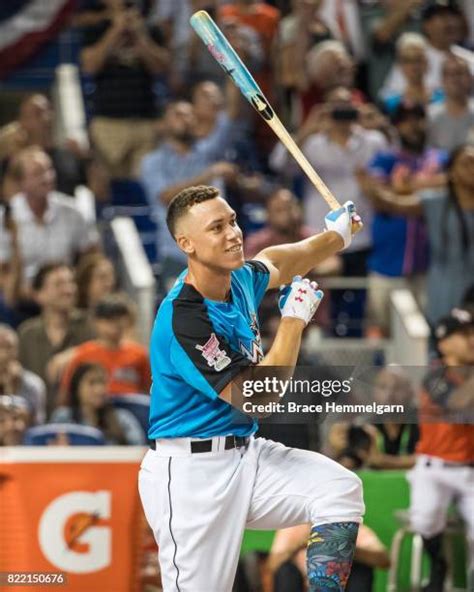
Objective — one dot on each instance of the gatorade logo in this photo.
(73, 533)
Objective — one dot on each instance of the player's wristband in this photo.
(340, 221)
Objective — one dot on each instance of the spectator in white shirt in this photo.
(337, 148)
(50, 227)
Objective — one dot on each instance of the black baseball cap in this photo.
(457, 320)
(439, 7)
(407, 109)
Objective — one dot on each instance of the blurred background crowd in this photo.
(115, 105)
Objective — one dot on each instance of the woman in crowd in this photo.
(89, 405)
(413, 62)
(95, 278)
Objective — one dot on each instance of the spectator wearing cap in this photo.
(445, 452)
(15, 419)
(450, 121)
(443, 25)
(49, 226)
(15, 380)
(400, 247)
(59, 326)
(448, 211)
(412, 59)
(125, 361)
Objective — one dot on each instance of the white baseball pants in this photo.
(198, 505)
(433, 489)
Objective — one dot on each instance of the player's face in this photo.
(459, 347)
(211, 235)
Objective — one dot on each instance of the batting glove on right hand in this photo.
(300, 300)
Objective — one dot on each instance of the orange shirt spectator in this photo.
(127, 366)
(259, 16)
(126, 362)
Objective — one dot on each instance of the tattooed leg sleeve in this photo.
(329, 555)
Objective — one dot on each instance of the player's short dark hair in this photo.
(114, 306)
(44, 271)
(185, 200)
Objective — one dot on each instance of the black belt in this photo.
(198, 446)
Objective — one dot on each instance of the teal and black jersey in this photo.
(197, 347)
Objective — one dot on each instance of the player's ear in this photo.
(185, 244)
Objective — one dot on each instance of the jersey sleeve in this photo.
(200, 355)
(260, 276)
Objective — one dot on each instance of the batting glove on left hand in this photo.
(300, 300)
(341, 221)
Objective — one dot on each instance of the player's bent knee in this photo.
(353, 493)
(345, 501)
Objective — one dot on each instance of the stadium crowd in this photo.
(379, 96)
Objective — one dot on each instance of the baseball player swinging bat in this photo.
(226, 56)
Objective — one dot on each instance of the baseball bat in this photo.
(225, 55)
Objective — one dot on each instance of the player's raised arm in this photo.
(298, 303)
(286, 261)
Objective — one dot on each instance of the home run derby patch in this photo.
(214, 356)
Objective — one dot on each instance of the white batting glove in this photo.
(300, 300)
(341, 221)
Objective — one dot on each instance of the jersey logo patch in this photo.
(254, 354)
(215, 357)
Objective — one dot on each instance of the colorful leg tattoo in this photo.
(329, 555)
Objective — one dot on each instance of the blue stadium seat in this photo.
(138, 404)
(144, 221)
(127, 192)
(77, 435)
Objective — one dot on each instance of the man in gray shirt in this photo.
(449, 122)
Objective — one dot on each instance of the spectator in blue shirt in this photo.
(184, 160)
(400, 244)
(449, 215)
